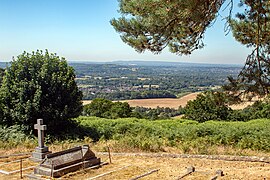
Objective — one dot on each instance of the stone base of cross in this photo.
(41, 151)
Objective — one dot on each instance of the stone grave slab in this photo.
(63, 162)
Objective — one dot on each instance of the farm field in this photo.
(166, 102)
(170, 102)
(161, 102)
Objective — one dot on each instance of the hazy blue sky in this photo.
(80, 30)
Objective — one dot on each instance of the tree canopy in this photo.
(40, 85)
(179, 24)
(2, 72)
(252, 28)
(107, 109)
(155, 24)
(208, 106)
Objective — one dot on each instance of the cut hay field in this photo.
(161, 102)
(170, 102)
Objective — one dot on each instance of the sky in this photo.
(79, 30)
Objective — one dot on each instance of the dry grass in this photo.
(169, 168)
(161, 102)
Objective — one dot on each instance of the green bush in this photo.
(40, 85)
(208, 106)
(260, 109)
(107, 109)
(13, 136)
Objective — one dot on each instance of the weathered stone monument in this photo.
(63, 162)
(60, 163)
(41, 151)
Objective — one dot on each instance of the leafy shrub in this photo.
(98, 107)
(156, 113)
(208, 106)
(13, 136)
(107, 109)
(260, 109)
(40, 85)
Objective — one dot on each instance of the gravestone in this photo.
(63, 162)
(41, 151)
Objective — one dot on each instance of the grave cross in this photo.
(41, 128)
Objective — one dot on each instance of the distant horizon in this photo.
(82, 30)
(146, 61)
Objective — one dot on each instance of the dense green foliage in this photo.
(183, 134)
(40, 85)
(245, 26)
(2, 72)
(252, 28)
(13, 136)
(208, 106)
(155, 24)
(260, 109)
(156, 113)
(107, 109)
(214, 106)
(121, 81)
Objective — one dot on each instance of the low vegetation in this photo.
(107, 109)
(186, 135)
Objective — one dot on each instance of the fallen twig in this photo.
(145, 174)
(104, 174)
(190, 170)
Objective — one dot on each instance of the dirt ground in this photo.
(128, 167)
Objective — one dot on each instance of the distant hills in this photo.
(3, 64)
(157, 63)
(147, 63)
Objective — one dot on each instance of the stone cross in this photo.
(41, 151)
(41, 128)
